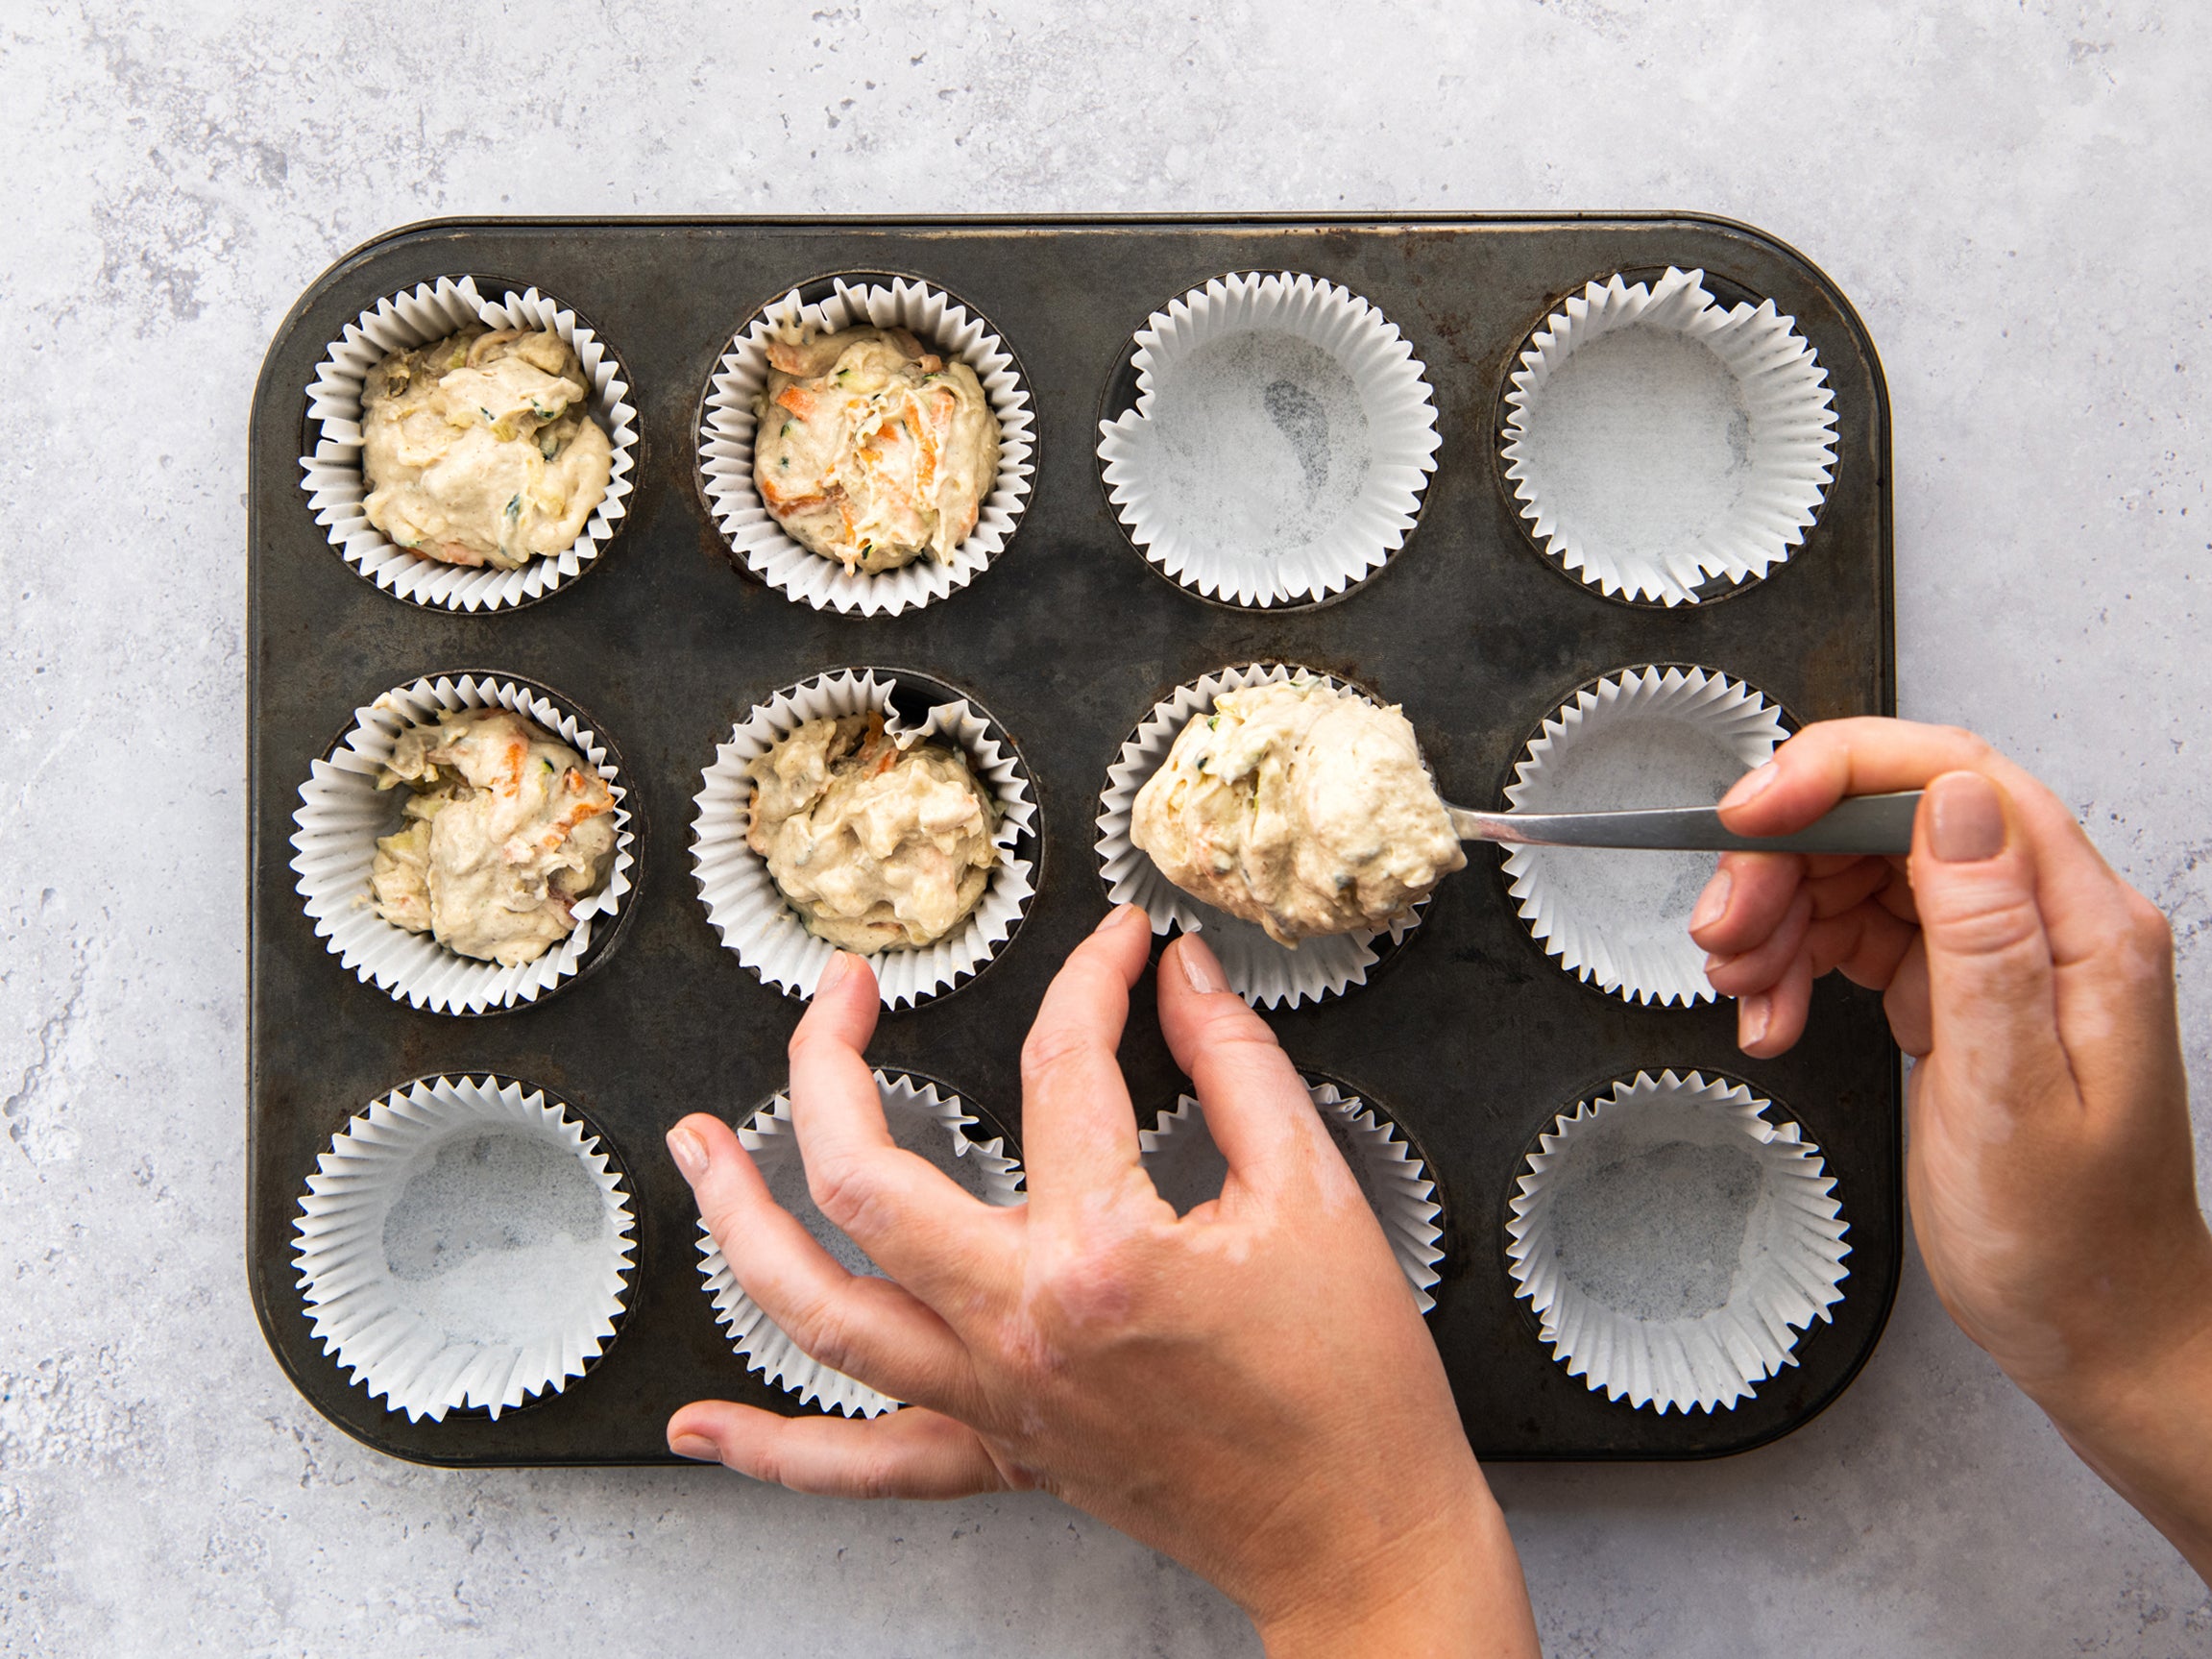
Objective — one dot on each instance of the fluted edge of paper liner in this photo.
(1786, 395)
(331, 475)
(1411, 1217)
(1662, 974)
(1393, 390)
(750, 913)
(346, 1279)
(1716, 1360)
(754, 1336)
(341, 814)
(1261, 972)
(726, 448)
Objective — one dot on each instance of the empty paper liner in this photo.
(464, 1245)
(1672, 1242)
(332, 477)
(1650, 737)
(1283, 436)
(923, 1119)
(1662, 447)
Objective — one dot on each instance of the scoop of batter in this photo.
(481, 449)
(1300, 807)
(876, 847)
(872, 450)
(506, 830)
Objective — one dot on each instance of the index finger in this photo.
(1078, 1129)
(908, 1216)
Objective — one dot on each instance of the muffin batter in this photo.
(506, 830)
(481, 449)
(1300, 807)
(876, 847)
(872, 450)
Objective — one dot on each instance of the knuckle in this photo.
(808, 1035)
(766, 1463)
(1974, 744)
(1988, 925)
(2149, 937)
(843, 1192)
(823, 1329)
(876, 1477)
(1050, 1047)
(1238, 1030)
(1091, 1289)
(2148, 923)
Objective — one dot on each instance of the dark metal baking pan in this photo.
(1472, 1035)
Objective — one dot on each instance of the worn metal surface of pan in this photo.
(1475, 1037)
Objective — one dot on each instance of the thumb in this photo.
(1993, 1013)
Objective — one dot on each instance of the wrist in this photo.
(2137, 1418)
(1448, 1588)
(2119, 1368)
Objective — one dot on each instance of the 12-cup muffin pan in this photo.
(1466, 1034)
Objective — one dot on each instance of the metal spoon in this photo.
(1858, 824)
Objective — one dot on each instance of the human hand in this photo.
(2050, 1166)
(1249, 1389)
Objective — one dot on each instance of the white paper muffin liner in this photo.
(419, 1342)
(341, 814)
(1274, 452)
(922, 1120)
(1187, 1169)
(726, 447)
(1259, 969)
(1757, 489)
(751, 914)
(1648, 737)
(1787, 1272)
(332, 477)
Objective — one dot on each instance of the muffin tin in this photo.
(1466, 1036)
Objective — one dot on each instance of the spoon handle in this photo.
(1858, 824)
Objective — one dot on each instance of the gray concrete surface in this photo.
(2015, 196)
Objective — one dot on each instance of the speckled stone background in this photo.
(2015, 196)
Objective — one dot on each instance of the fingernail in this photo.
(1753, 1015)
(688, 1151)
(1965, 819)
(1751, 785)
(1712, 903)
(696, 1446)
(1198, 965)
(840, 963)
(1121, 916)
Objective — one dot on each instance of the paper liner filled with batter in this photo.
(751, 914)
(1260, 970)
(331, 475)
(1664, 447)
(1648, 737)
(1283, 436)
(1187, 1169)
(1673, 1242)
(726, 433)
(922, 1119)
(341, 814)
(463, 1245)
